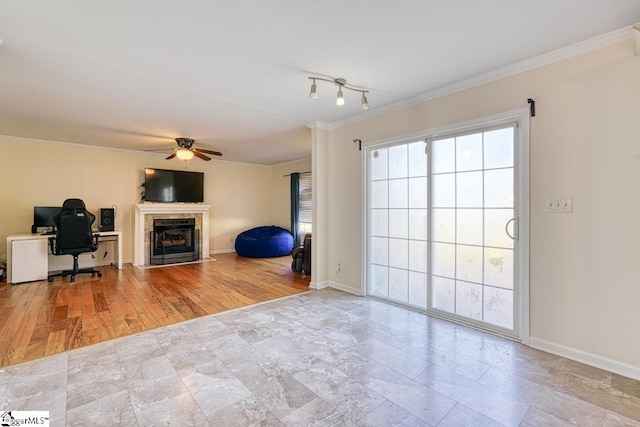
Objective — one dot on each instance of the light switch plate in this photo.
(558, 204)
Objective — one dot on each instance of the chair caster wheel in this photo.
(99, 274)
(49, 279)
(73, 279)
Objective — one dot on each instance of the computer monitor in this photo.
(43, 217)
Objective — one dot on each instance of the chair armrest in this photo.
(296, 251)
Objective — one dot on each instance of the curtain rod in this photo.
(300, 173)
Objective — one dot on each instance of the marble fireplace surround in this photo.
(145, 214)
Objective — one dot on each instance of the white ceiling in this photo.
(233, 74)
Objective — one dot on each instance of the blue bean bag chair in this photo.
(264, 242)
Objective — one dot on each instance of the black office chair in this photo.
(73, 236)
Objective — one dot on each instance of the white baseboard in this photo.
(221, 251)
(319, 285)
(335, 285)
(345, 288)
(594, 360)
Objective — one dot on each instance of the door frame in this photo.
(521, 185)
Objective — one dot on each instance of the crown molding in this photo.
(288, 162)
(319, 125)
(549, 58)
(102, 147)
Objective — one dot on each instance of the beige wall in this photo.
(239, 197)
(280, 197)
(45, 173)
(584, 285)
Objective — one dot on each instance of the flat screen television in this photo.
(170, 186)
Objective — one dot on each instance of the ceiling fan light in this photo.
(184, 154)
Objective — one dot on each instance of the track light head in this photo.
(314, 91)
(340, 100)
(364, 102)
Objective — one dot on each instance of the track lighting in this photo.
(341, 83)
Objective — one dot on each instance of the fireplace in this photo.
(173, 240)
(146, 213)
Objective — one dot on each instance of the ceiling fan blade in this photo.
(202, 150)
(171, 156)
(200, 155)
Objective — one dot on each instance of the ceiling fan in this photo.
(186, 151)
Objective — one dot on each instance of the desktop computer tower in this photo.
(107, 219)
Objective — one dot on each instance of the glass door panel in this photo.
(398, 250)
(472, 257)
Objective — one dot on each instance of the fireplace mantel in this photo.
(143, 209)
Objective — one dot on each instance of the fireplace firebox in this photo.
(174, 240)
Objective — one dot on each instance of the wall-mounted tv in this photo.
(169, 186)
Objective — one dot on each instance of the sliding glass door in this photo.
(442, 225)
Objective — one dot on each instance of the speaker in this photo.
(107, 219)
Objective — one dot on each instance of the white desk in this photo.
(31, 255)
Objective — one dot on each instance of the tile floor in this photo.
(322, 358)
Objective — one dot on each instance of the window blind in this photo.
(305, 210)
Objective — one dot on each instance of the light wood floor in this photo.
(41, 318)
